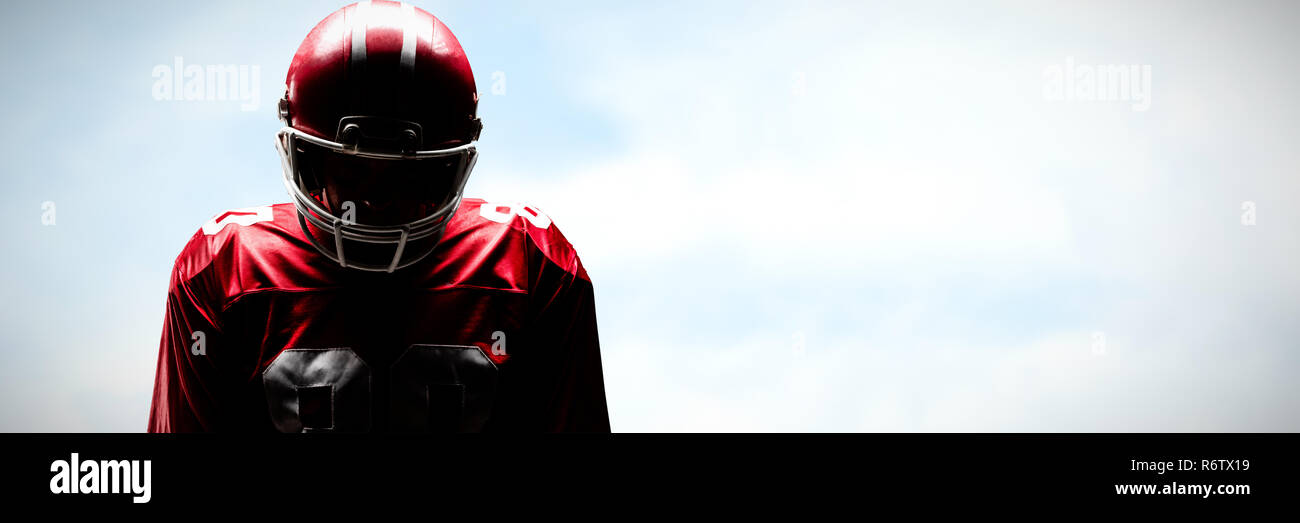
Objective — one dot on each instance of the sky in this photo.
(798, 216)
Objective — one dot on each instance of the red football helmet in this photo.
(380, 126)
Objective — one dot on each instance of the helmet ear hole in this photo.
(283, 108)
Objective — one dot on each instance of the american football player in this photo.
(379, 299)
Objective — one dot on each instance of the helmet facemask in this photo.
(375, 202)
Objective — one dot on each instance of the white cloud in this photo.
(925, 163)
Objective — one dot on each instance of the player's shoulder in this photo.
(525, 221)
(230, 231)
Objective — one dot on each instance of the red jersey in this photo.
(493, 331)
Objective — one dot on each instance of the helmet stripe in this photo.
(357, 53)
(408, 39)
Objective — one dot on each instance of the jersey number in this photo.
(440, 388)
(243, 217)
(503, 212)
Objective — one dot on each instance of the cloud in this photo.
(948, 240)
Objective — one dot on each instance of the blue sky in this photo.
(815, 217)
